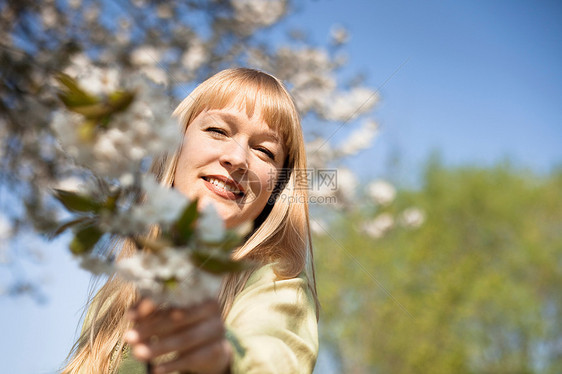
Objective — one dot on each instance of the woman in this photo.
(242, 145)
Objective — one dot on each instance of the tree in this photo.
(174, 43)
(473, 290)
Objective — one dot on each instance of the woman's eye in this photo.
(266, 152)
(216, 130)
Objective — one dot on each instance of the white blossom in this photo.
(345, 106)
(70, 184)
(310, 72)
(377, 227)
(253, 14)
(79, 64)
(127, 179)
(346, 183)
(319, 152)
(5, 228)
(145, 55)
(64, 126)
(164, 11)
(92, 78)
(195, 56)
(143, 131)
(155, 74)
(360, 139)
(101, 81)
(382, 192)
(322, 192)
(163, 205)
(210, 225)
(48, 16)
(339, 35)
(96, 265)
(312, 80)
(169, 277)
(167, 203)
(412, 217)
(74, 4)
(342, 187)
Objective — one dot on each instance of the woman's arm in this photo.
(275, 324)
(272, 324)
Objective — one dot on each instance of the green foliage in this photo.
(86, 208)
(185, 225)
(217, 262)
(476, 289)
(96, 111)
(72, 95)
(77, 203)
(85, 239)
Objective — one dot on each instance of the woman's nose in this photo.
(234, 156)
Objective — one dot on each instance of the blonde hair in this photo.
(281, 233)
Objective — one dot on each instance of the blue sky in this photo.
(483, 81)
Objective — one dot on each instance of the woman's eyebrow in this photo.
(234, 120)
(270, 135)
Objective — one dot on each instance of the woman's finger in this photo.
(189, 338)
(212, 358)
(165, 322)
(143, 309)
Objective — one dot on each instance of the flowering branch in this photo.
(112, 134)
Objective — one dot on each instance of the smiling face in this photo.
(232, 159)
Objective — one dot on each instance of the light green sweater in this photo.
(274, 324)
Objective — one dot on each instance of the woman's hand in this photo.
(195, 334)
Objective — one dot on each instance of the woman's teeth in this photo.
(223, 185)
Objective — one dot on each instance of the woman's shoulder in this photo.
(266, 276)
(273, 321)
(266, 290)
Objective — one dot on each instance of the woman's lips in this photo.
(221, 191)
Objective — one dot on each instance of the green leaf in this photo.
(79, 101)
(93, 111)
(171, 283)
(120, 100)
(111, 201)
(117, 102)
(85, 239)
(73, 95)
(65, 226)
(217, 264)
(184, 227)
(77, 203)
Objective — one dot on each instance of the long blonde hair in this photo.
(281, 233)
